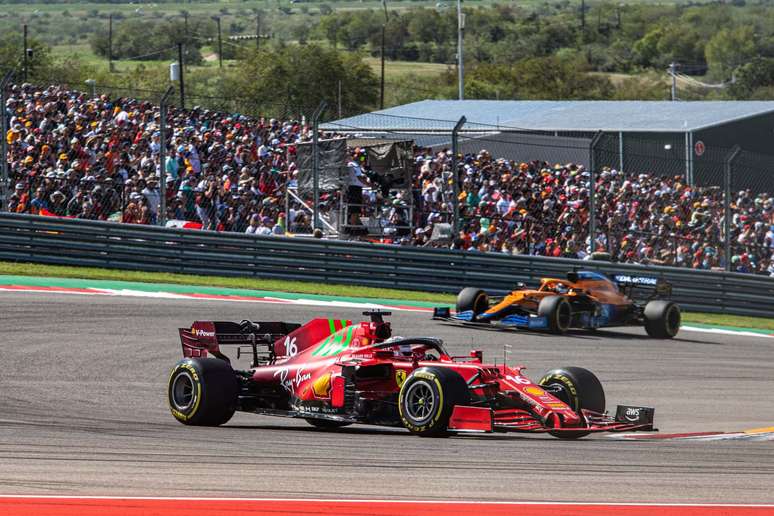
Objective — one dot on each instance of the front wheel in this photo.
(474, 300)
(428, 397)
(202, 391)
(558, 312)
(662, 319)
(577, 387)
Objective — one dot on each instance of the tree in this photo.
(12, 56)
(299, 77)
(145, 40)
(728, 49)
(663, 45)
(752, 77)
(541, 78)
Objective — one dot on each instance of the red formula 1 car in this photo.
(334, 373)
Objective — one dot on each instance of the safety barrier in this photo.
(49, 240)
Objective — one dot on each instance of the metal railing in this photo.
(50, 240)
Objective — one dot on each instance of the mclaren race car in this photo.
(584, 299)
(334, 373)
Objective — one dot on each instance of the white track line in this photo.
(304, 302)
(359, 501)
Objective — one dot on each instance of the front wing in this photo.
(517, 321)
(481, 419)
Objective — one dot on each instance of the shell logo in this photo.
(535, 391)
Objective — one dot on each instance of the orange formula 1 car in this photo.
(585, 299)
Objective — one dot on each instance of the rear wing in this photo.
(628, 284)
(205, 337)
(266, 341)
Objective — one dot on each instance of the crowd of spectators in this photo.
(542, 209)
(98, 158)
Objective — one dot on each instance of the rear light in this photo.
(337, 391)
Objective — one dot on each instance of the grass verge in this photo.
(302, 287)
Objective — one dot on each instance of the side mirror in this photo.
(520, 285)
(477, 355)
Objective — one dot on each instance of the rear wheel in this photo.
(577, 387)
(473, 299)
(558, 312)
(427, 399)
(662, 319)
(202, 391)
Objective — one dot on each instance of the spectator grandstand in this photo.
(97, 158)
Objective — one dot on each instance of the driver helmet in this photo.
(561, 288)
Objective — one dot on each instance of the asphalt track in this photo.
(83, 412)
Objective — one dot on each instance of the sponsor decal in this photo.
(535, 391)
(520, 380)
(632, 414)
(201, 333)
(400, 377)
(290, 384)
(322, 386)
(635, 280)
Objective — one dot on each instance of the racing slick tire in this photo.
(474, 299)
(662, 319)
(427, 399)
(202, 391)
(326, 424)
(577, 387)
(558, 312)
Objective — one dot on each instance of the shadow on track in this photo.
(389, 431)
(617, 335)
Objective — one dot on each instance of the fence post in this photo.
(162, 218)
(316, 164)
(456, 175)
(593, 191)
(727, 203)
(4, 148)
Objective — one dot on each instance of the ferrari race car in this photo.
(585, 299)
(334, 373)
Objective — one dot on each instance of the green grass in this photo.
(33, 269)
(85, 54)
(393, 70)
(738, 321)
(398, 69)
(58, 271)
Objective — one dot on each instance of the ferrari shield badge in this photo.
(400, 377)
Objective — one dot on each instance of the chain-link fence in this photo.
(658, 198)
